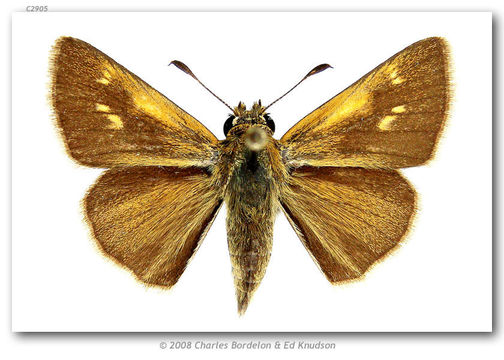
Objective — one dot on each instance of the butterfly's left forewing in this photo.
(108, 116)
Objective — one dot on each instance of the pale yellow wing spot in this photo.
(105, 80)
(115, 122)
(109, 71)
(396, 79)
(386, 122)
(399, 109)
(102, 108)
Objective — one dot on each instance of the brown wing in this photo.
(151, 219)
(348, 218)
(108, 116)
(390, 118)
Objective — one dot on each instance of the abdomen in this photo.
(251, 207)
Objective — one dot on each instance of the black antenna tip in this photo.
(317, 69)
(180, 65)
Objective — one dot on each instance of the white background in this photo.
(440, 280)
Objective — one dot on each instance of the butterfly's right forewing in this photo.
(391, 118)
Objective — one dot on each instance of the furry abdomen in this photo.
(252, 204)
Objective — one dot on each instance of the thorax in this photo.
(250, 178)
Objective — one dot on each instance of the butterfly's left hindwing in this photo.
(152, 219)
(109, 117)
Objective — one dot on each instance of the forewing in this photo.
(151, 219)
(391, 118)
(348, 218)
(109, 116)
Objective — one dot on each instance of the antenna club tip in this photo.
(175, 62)
(317, 69)
(181, 66)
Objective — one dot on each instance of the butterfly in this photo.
(334, 174)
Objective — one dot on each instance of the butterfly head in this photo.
(244, 119)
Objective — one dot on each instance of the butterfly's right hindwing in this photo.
(348, 218)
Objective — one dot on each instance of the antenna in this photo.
(181, 66)
(313, 71)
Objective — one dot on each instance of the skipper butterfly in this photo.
(334, 174)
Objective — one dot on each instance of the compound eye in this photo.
(270, 123)
(228, 124)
